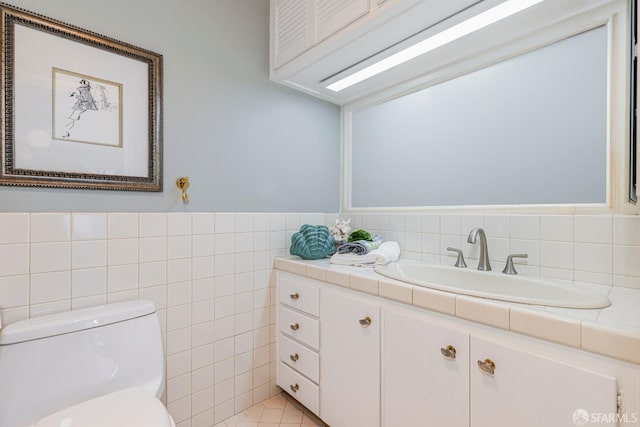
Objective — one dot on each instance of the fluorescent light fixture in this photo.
(475, 23)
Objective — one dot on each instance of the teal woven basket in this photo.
(312, 242)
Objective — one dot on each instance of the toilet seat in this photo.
(132, 407)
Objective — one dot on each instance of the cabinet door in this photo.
(425, 372)
(333, 15)
(349, 360)
(290, 24)
(529, 390)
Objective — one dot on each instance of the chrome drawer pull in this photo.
(487, 365)
(294, 327)
(294, 388)
(294, 357)
(294, 296)
(365, 322)
(449, 352)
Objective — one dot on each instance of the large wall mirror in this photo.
(534, 129)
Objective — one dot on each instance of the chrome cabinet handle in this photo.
(294, 388)
(294, 357)
(365, 322)
(487, 365)
(449, 352)
(294, 327)
(294, 296)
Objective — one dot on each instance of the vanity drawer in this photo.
(300, 296)
(299, 326)
(303, 390)
(299, 357)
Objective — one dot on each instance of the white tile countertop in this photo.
(612, 331)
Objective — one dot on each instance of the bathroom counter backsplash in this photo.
(612, 331)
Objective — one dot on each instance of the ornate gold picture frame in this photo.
(80, 110)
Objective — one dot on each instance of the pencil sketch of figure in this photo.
(104, 99)
(96, 101)
(84, 103)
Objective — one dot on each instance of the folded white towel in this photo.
(387, 252)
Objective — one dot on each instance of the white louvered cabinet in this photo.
(330, 16)
(290, 29)
(298, 25)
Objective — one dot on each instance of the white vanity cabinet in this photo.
(357, 359)
(349, 359)
(425, 372)
(516, 386)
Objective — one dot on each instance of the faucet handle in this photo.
(510, 268)
(460, 261)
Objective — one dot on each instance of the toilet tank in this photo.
(51, 362)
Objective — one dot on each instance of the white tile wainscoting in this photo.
(600, 249)
(210, 275)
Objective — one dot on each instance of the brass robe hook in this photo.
(183, 184)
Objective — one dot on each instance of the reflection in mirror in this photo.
(530, 130)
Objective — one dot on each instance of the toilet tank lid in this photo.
(72, 321)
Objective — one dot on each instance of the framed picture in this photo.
(79, 110)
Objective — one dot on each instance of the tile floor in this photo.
(278, 411)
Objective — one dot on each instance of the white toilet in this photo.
(94, 367)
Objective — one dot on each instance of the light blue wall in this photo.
(245, 143)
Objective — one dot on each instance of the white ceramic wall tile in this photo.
(90, 253)
(525, 227)
(292, 221)
(178, 247)
(468, 222)
(202, 223)
(185, 280)
(14, 228)
(178, 270)
(497, 225)
(178, 224)
(89, 226)
(122, 251)
(153, 249)
(122, 277)
(557, 228)
(224, 243)
(225, 223)
(413, 223)
(153, 273)
(14, 291)
(450, 224)
(152, 224)
(557, 255)
(48, 287)
(594, 258)
(48, 257)
(15, 259)
(594, 228)
(90, 281)
(50, 227)
(122, 225)
(203, 245)
(382, 222)
(626, 230)
(626, 260)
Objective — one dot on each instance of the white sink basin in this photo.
(494, 285)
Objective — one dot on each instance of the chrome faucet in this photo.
(484, 251)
